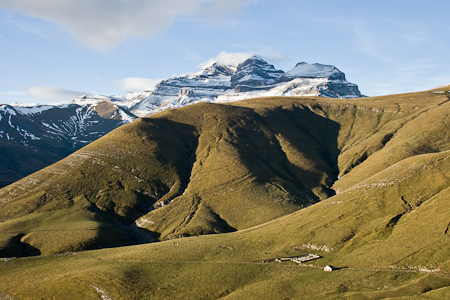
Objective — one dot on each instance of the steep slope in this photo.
(42, 135)
(384, 248)
(254, 74)
(216, 168)
(18, 160)
(386, 229)
(422, 127)
(199, 167)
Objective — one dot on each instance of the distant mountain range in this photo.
(31, 138)
(35, 136)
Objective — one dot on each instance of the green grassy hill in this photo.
(364, 183)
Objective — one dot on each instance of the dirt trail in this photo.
(368, 268)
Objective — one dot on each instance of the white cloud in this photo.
(410, 77)
(234, 59)
(137, 84)
(273, 57)
(226, 58)
(53, 93)
(104, 24)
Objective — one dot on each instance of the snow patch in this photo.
(6, 109)
(33, 110)
(104, 295)
(27, 135)
(126, 118)
(312, 71)
(143, 222)
(127, 101)
(252, 77)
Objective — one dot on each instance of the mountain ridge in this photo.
(236, 168)
(288, 153)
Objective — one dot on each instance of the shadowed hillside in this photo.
(363, 183)
(202, 169)
(211, 168)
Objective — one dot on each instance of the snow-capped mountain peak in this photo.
(256, 58)
(252, 78)
(71, 125)
(255, 71)
(305, 70)
(7, 110)
(34, 109)
(216, 69)
(126, 101)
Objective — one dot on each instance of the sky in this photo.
(52, 51)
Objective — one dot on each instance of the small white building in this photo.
(328, 268)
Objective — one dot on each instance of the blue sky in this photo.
(54, 50)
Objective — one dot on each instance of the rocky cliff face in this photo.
(254, 74)
(252, 78)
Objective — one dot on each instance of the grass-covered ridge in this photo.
(363, 183)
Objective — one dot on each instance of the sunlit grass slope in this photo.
(364, 183)
(210, 168)
(378, 242)
(202, 169)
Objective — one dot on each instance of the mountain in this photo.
(34, 137)
(363, 183)
(218, 83)
(182, 172)
(44, 134)
(253, 73)
(210, 168)
(125, 101)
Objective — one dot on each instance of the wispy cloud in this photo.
(389, 42)
(104, 24)
(411, 77)
(235, 58)
(274, 57)
(227, 58)
(137, 84)
(54, 93)
(31, 30)
(385, 38)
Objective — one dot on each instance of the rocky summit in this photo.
(218, 83)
